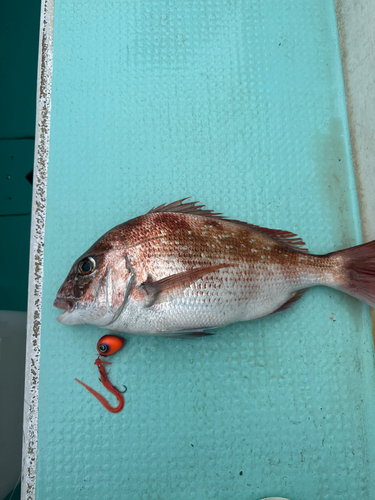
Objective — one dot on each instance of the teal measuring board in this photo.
(240, 105)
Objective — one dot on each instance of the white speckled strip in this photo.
(42, 134)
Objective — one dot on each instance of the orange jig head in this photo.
(109, 344)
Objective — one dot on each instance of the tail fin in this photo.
(359, 267)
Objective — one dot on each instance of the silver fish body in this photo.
(180, 270)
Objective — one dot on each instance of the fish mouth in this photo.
(68, 305)
(64, 303)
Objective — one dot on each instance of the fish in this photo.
(182, 270)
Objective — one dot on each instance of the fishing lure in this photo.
(109, 344)
(108, 385)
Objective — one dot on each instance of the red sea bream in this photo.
(180, 270)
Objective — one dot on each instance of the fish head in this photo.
(95, 288)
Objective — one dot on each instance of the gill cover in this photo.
(96, 289)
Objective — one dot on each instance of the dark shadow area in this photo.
(19, 35)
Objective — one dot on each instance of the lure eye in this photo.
(86, 266)
(109, 344)
(102, 348)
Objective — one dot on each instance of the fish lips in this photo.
(66, 304)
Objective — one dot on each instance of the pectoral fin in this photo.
(171, 286)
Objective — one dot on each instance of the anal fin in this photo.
(295, 296)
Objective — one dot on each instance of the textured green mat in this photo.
(241, 106)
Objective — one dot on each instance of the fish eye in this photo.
(86, 266)
(109, 344)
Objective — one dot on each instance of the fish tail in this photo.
(358, 272)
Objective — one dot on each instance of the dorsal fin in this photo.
(191, 208)
(292, 240)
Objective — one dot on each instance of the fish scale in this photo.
(181, 270)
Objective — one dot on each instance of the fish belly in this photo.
(227, 297)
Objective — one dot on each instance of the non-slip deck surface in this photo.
(240, 105)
